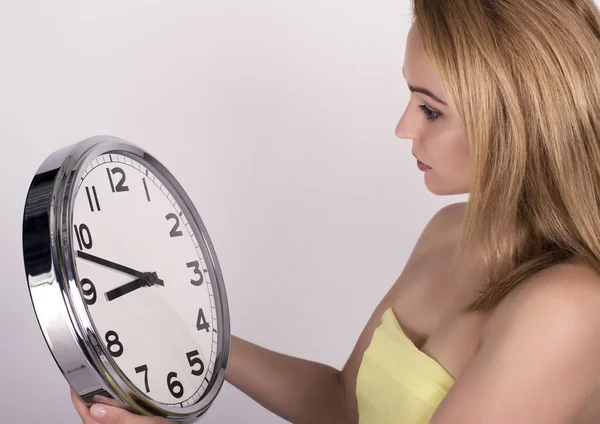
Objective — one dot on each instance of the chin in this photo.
(440, 189)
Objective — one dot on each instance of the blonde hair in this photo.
(524, 78)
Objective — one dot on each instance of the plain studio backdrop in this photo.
(277, 118)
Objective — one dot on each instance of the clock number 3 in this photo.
(197, 272)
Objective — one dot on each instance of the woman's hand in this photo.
(104, 414)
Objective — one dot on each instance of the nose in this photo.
(406, 127)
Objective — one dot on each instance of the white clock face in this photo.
(145, 279)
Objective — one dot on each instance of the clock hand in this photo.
(109, 264)
(149, 280)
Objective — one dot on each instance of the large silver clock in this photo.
(124, 280)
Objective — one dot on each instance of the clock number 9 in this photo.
(112, 339)
(89, 293)
(175, 387)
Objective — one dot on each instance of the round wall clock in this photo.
(124, 281)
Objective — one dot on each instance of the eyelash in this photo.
(431, 114)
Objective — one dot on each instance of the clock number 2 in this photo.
(112, 339)
(175, 230)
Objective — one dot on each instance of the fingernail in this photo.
(98, 411)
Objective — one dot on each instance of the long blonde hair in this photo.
(524, 78)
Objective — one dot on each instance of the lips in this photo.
(420, 160)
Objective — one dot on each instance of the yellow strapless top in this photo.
(396, 382)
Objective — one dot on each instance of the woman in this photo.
(496, 316)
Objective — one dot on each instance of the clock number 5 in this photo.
(120, 184)
(193, 361)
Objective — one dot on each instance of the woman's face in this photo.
(439, 140)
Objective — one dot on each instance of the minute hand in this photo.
(110, 264)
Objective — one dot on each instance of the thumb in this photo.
(106, 414)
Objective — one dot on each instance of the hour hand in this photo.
(149, 280)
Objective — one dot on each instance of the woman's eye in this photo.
(431, 114)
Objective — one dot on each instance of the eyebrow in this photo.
(424, 91)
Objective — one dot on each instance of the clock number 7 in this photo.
(144, 369)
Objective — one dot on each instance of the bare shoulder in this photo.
(538, 357)
(566, 286)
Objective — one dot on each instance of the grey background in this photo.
(277, 118)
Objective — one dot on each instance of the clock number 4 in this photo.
(201, 323)
(120, 186)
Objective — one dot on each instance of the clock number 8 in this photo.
(112, 339)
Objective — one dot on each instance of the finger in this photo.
(82, 409)
(106, 414)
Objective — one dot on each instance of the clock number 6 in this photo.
(174, 384)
